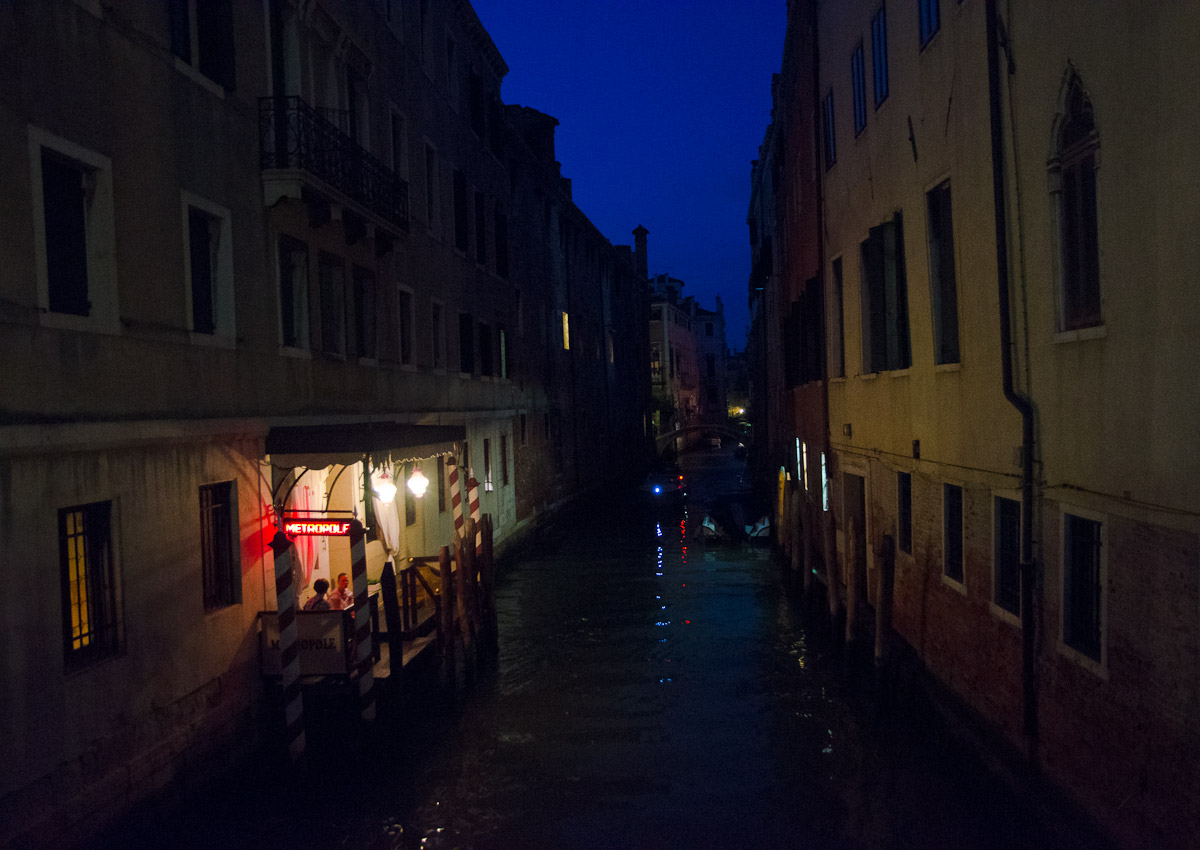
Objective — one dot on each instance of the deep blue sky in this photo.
(662, 105)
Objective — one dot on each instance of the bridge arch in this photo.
(662, 442)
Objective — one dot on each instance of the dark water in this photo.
(650, 692)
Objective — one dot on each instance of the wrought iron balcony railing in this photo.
(294, 135)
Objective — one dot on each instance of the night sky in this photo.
(662, 105)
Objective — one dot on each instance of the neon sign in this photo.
(316, 527)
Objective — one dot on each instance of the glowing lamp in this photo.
(385, 489)
(417, 482)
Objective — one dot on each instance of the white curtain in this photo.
(387, 516)
(304, 498)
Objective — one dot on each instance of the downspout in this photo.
(1022, 403)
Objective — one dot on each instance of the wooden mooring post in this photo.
(446, 611)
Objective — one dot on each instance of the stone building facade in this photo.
(1005, 271)
(262, 253)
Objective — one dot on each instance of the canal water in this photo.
(651, 691)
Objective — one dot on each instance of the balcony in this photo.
(297, 143)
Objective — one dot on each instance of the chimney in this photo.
(639, 250)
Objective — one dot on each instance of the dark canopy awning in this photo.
(318, 446)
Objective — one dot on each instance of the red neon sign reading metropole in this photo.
(316, 527)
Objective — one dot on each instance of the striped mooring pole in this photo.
(473, 493)
(364, 662)
(289, 655)
(456, 497)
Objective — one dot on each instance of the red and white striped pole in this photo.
(289, 655)
(364, 663)
(473, 493)
(456, 498)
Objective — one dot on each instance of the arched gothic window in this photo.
(1073, 185)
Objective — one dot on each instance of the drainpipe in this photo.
(1021, 402)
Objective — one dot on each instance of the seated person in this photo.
(318, 602)
(342, 597)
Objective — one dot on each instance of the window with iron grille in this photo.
(858, 84)
(952, 532)
(879, 60)
(481, 252)
(487, 465)
(503, 460)
(837, 338)
(1007, 555)
(218, 549)
(1082, 543)
(89, 598)
(904, 511)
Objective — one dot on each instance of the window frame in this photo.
(107, 586)
(879, 57)
(1099, 665)
(409, 363)
(929, 21)
(366, 322)
(959, 583)
(328, 260)
(858, 88)
(943, 315)
(99, 235)
(437, 322)
(222, 272)
(212, 584)
(301, 321)
(994, 602)
(828, 130)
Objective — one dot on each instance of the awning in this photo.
(318, 446)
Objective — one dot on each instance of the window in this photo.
(943, 289)
(222, 575)
(74, 232)
(1073, 184)
(837, 341)
(1082, 584)
(441, 477)
(208, 274)
(399, 161)
(824, 484)
(358, 107)
(410, 501)
(1006, 555)
(566, 332)
(708, 328)
(407, 339)
(461, 220)
(480, 229)
(476, 105)
(827, 130)
(929, 15)
(952, 532)
(501, 236)
(202, 37)
(487, 465)
(885, 299)
(485, 349)
(437, 316)
(710, 365)
(503, 354)
(466, 344)
(655, 364)
(859, 86)
(804, 465)
(431, 188)
(904, 512)
(332, 279)
(293, 292)
(364, 314)
(89, 597)
(503, 460)
(451, 73)
(879, 61)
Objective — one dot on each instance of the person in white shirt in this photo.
(342, 597)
